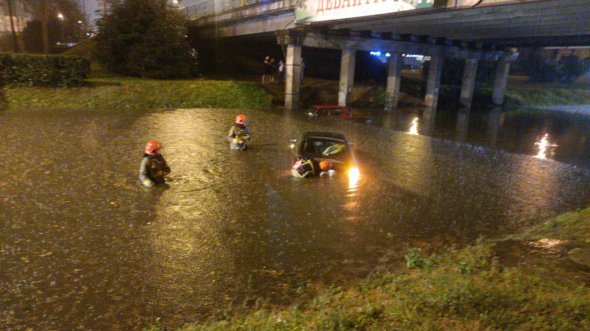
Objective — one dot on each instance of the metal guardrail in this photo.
(207, 8)
(215, 7)
(474, 3)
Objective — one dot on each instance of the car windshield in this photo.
(336, 111)
(326, 148)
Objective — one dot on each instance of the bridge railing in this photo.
(205, 8)
(197, 9)
(472, 3)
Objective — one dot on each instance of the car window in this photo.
(317, 147)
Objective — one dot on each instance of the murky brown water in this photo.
(83, 246)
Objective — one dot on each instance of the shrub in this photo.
(570, 67)
(21, 70)
(145, 38)
(414, 259)
(540, 70)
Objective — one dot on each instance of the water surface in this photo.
(84, 246)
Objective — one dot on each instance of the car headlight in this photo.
(353, 177)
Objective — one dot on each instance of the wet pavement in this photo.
(84, 246)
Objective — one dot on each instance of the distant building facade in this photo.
(21, 15)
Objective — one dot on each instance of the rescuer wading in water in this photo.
(304, 168)
(238, 134)
(153, 167)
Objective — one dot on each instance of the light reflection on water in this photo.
(414, 126)
(354, 176)
(522, 131)
(544, 147)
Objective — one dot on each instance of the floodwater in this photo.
(84, 246)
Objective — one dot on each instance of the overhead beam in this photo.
(540, 41)
(567, 8)
(474, 33)
(266, 9)
(317, 40)
(573, 24)
(249, 27)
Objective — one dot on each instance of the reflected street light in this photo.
(60, 16)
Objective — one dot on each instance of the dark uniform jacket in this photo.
(237, 136)
(154, 168)
(306, 168)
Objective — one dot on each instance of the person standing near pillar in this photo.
(272, 71)
(266, 70)
(281, 71)
(302, 69)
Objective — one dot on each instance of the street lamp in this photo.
(80, 30)
(61, 17)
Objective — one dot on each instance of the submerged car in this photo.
(330, 146)
(329, 111)
(333, 111)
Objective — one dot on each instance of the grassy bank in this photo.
(105, 91)
(531, 95)
(112, 92)
(526, 281)
(518, 94)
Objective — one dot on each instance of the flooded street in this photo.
(84, 246)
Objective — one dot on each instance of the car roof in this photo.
(323, 134)
(328, 107)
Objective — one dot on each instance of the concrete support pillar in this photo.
(495, 121)
(468, 86)
(433, 84)
(293, 76)
(502, 69)
(394, 77)
(462, 125)
(428, 120)
(346, 75)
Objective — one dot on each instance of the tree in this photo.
(570, 67)
(145, 38)
(46, 11)
(33, 36)
(10, 5)
(41, 12)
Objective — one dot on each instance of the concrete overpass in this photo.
(466, 29)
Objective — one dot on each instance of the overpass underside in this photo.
(469, 30)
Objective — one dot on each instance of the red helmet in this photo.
(152, 146)
(325, 165)
(241, 119)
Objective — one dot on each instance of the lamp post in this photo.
(61, 17)
(80, 28)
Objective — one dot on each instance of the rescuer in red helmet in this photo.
(309, 167)
(238, 134)
(153, 167)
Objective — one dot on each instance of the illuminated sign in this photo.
(325, 10)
